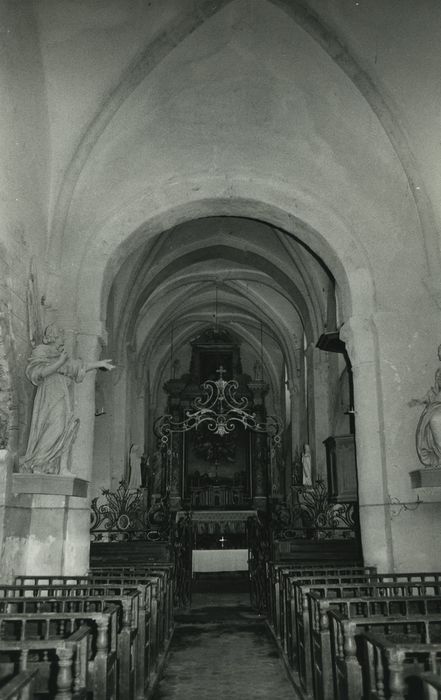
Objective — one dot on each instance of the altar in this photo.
(220, 540)
(220, 560)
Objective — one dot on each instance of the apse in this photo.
(220, 294)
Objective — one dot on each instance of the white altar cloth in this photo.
(205, 560)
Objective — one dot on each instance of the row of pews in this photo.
(102, 636)
(349, 633)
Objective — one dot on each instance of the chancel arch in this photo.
(160, 326)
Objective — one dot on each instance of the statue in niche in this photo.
(53, 426)
(135, 461)
(306, 466)
(428, 432)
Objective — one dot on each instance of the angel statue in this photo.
(53, 425)
(428, 432)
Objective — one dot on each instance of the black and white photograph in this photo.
(220, 349)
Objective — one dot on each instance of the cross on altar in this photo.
(221, 371)
(222, 540)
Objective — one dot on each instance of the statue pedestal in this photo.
(427, 476)
(53, 484)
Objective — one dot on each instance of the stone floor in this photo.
(222, 649)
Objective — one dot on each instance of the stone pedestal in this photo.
(52, 484)
(427, 476)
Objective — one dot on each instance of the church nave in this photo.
(223, 649)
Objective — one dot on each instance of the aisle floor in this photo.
(222, 649)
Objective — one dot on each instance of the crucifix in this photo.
(221, 371)
(222, 540)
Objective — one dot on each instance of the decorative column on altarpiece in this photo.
(260, 453)
(172, 450)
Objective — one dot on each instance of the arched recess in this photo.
(357, 302)
(184, 313)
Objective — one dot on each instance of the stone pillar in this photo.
(391, 366)
(174, 389)
(358, 334)
(261, 478)
(77, 519)
(296, 441)
(407, 362)
(321, 429)
(89, 349)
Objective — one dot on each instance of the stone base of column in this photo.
(52, 484)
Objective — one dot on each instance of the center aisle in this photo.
(222, 649)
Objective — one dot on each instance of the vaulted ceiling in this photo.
(258, 282)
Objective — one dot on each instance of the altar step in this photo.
(221, 582)
(223, 651)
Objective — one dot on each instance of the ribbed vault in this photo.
(256, 282)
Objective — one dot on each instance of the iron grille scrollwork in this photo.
(220, 410)
(126, 516)
(314, 516)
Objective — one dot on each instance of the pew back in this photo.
(314, 646)
(20, 686)
(346, 643)
(393, 670)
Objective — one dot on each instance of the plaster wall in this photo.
(24, 176)
(313, 128)
(23, 183)
(397, 44)
(89, 47)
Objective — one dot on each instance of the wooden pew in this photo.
(162, 618)
(113, 592)
(290, 580)
(62, 663)
(393, 670)
(298, 618)
(378, 597)
(162, 591)
(278, 572)
(286, 574)
(92, 634)
(428, 684)
(155, 612)
(165, 592)
(20, 686)
(273, 576)
(161, 577)
(84, 598)
(415, 634)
